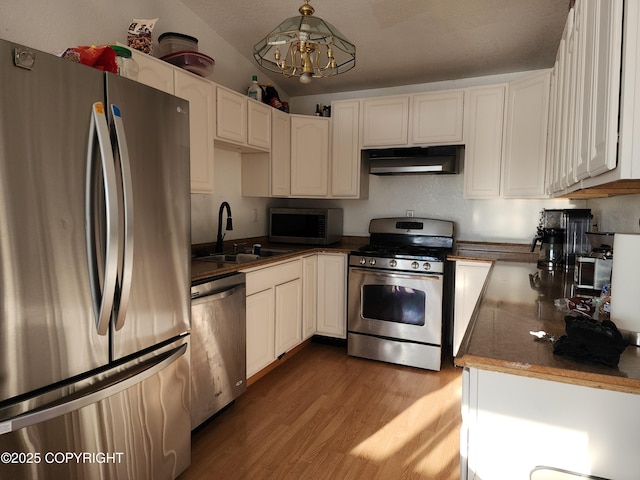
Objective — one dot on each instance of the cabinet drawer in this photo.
(275, 275)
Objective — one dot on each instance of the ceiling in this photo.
(403, 42)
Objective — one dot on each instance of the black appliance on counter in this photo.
(562, 237)
(396, 285)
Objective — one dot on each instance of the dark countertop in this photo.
(201, 270)
(498, 336)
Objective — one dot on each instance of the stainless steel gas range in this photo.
(396, 284)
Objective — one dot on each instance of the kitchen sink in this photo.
(241, 257)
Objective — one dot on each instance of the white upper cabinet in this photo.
(594, 79)
(606, 85)
(231, 110)
(153, 72)
(348, 177)
(437, 117)
(506, 139)
(280, 154)
(309, 156)
(430, 118)
(201, 96)
(259, 124)
(484, 133)
(242, 123)
(385, 121)
(525, 143)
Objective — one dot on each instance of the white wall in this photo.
(617, 214)
(53, 26)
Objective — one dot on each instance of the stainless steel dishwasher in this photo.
(218, 343)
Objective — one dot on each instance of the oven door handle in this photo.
(387, 274)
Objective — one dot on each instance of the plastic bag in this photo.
(100, 57)
(590, 341)
(139, 35)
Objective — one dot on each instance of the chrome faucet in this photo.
(220, 236)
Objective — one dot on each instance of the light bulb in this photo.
(306, 78)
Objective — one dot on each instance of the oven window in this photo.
(393, 303)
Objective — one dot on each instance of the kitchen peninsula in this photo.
(525, 407)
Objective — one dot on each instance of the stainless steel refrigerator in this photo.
(94, 273)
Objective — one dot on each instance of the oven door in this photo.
(403, 306)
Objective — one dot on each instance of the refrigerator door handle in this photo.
(102, 294)
(127, 192)
(96, 393)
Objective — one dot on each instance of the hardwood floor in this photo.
(325, 415)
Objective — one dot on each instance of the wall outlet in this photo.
(410, 213)
(255, 215)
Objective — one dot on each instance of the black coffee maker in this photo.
(562, 236)
(550, 234)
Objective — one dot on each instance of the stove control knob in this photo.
(426, 266)
(415, 265)
(363, 261)
(372, 261)
(393, 263)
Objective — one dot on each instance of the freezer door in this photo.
(131, 423)
(156, 254)
(47, 322)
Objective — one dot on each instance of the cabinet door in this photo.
(309, 156)
(385, 121)
(345, 149)
(606, 87)
(332, 299)
(201, 96)
(231, 115)
(288, 311)
(437, 117)
(280, 154)
(259, 126)
(260, 330)
(526, 137)
(309, 295)
(469, 281)
(153, 72)
(483, 153)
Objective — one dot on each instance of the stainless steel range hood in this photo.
(415, 160)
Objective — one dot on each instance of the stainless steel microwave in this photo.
(312, 226)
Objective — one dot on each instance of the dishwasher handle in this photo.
(217, 295)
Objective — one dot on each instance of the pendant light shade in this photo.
(306, 47)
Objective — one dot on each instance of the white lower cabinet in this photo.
(512, 424)
(469, 282)
(332, 295)
(288, 301)
(309, 295)
(274, 312)
(261, 327)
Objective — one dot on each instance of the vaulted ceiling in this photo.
(402, 42)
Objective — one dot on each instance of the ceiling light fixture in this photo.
(305, 47)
